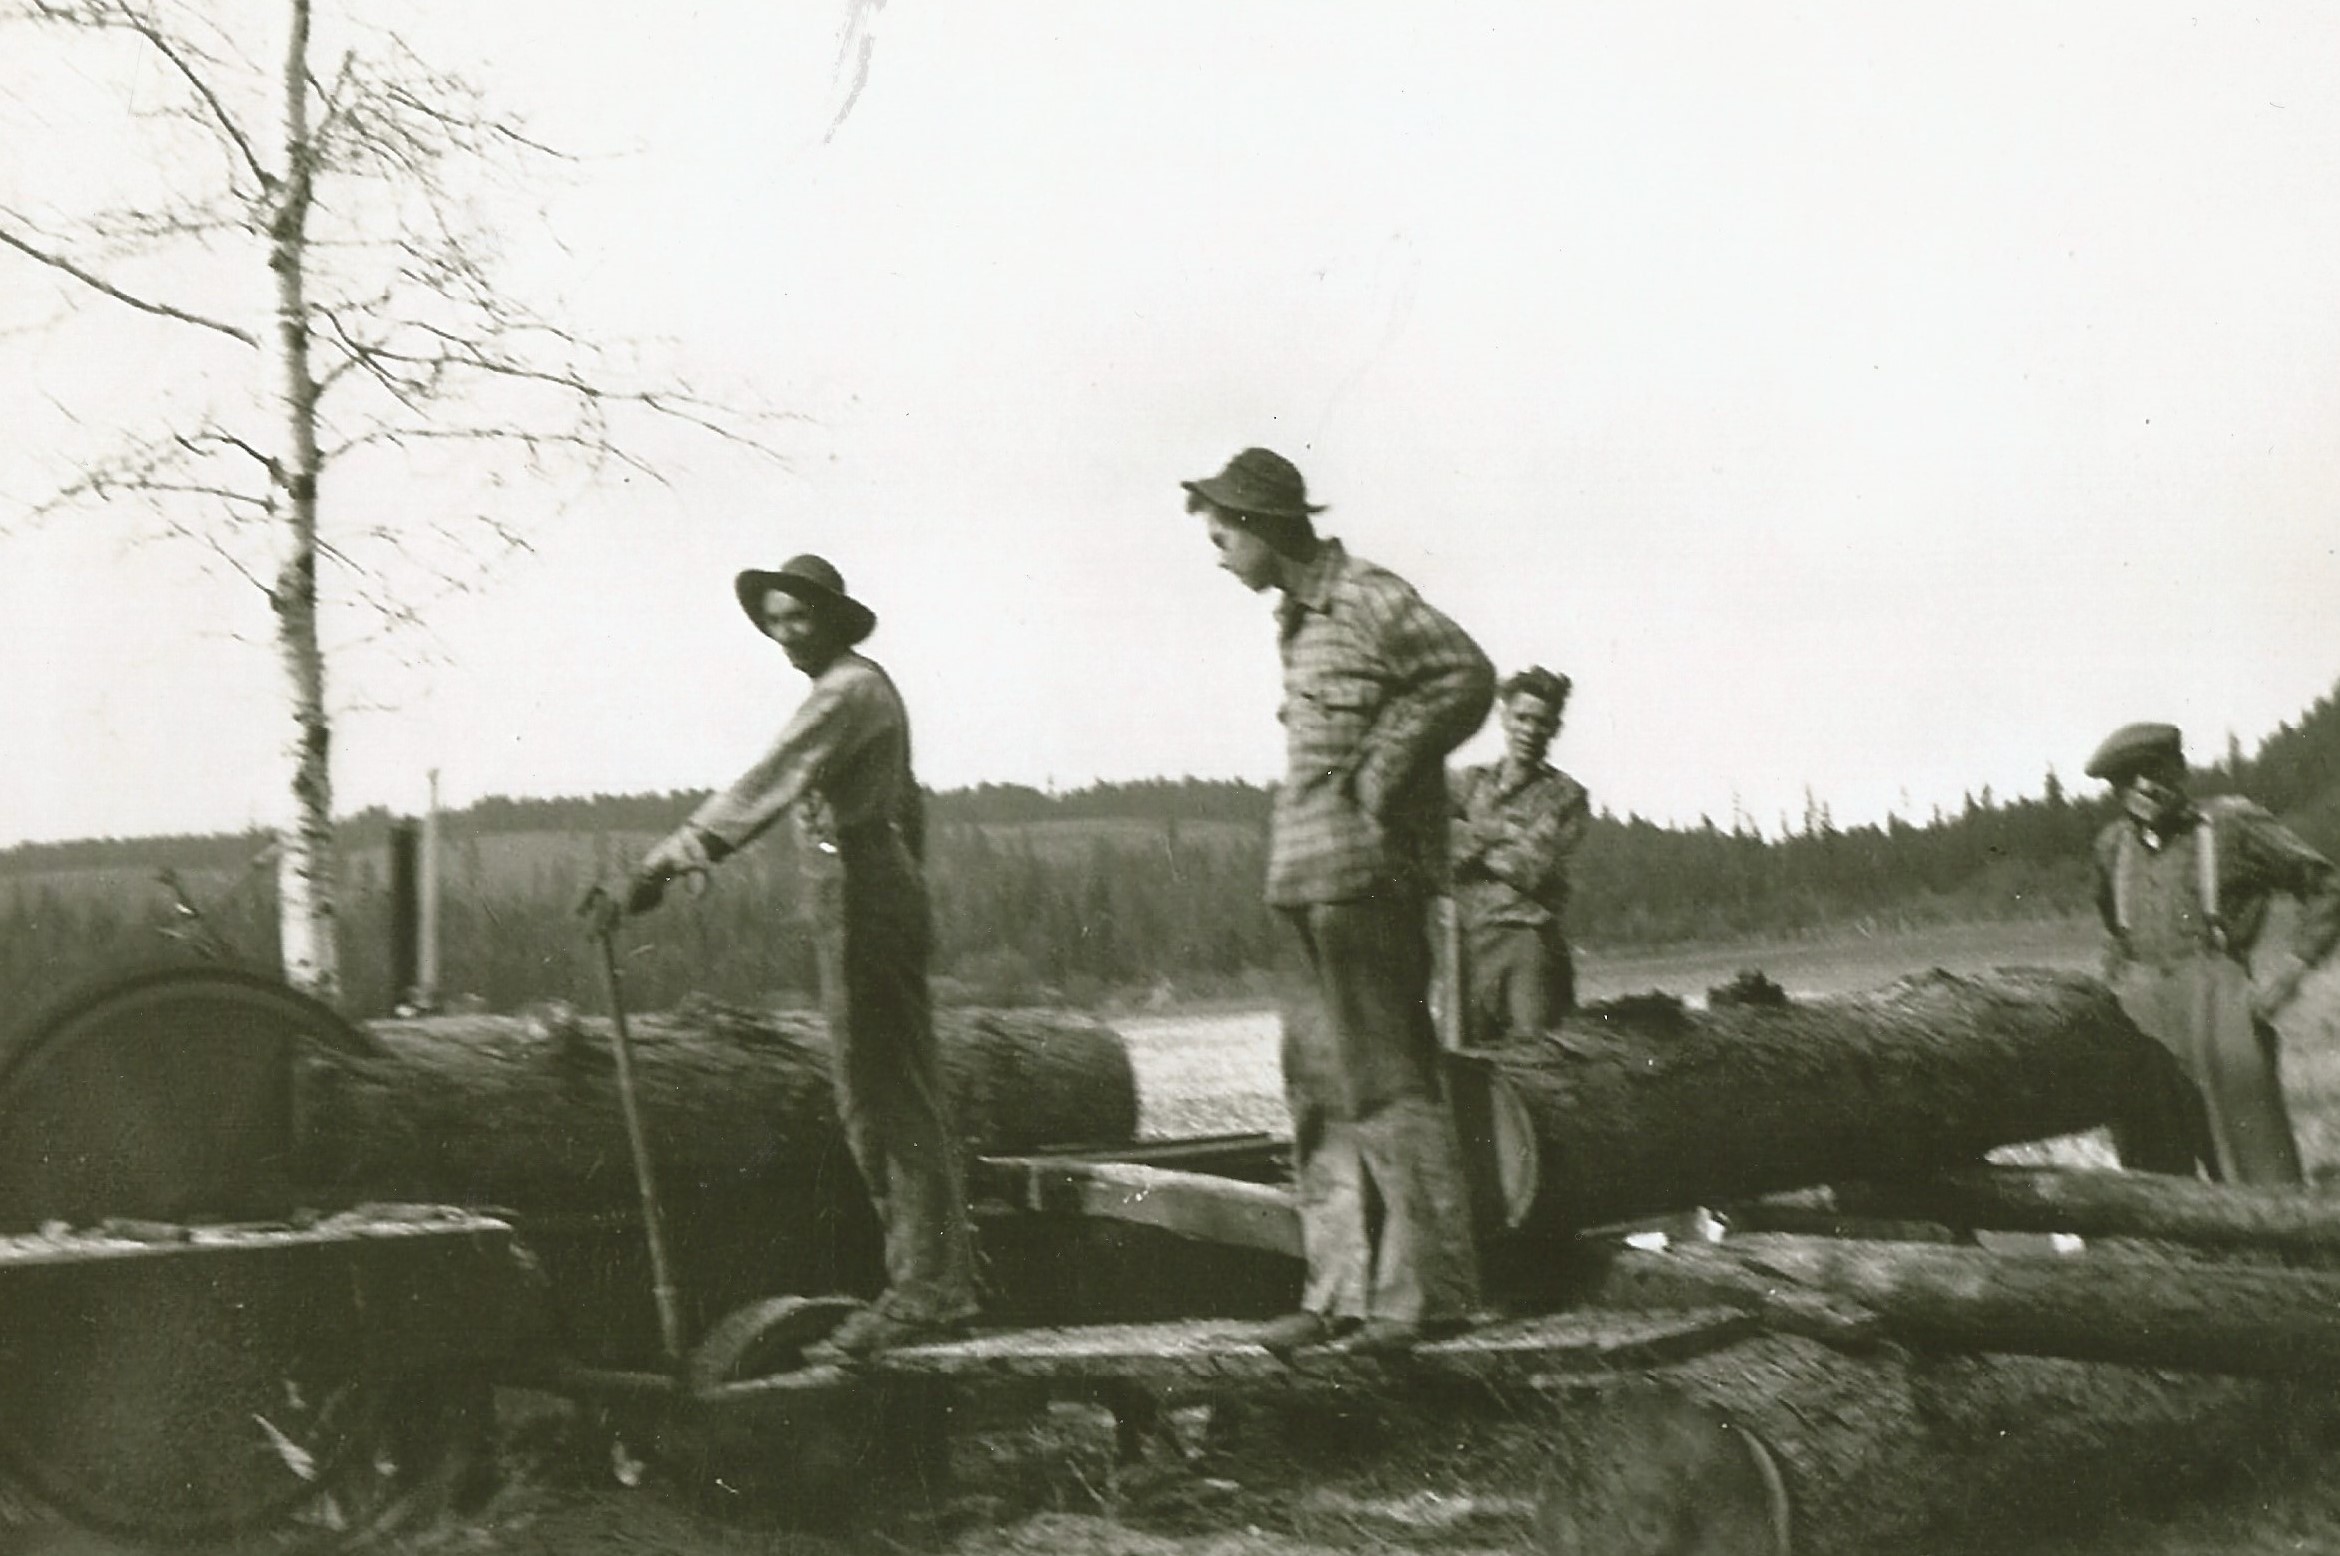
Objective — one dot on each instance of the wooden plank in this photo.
(1590, 1340)
(1191, 1204)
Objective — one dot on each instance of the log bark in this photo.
(2130, 1308)
(760, 1194)
(1783, 1445)
(503, 1110)
(2297, 1223)
(1642, 1106)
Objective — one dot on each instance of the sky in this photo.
(1863, 404)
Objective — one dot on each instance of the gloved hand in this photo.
(680, 852)
(644, 892)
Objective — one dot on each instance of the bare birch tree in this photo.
(319, 236)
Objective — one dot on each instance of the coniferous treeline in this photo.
(1111, 888)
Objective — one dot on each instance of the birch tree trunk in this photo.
(305, 890)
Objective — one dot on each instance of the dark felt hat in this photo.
(1258, 481)
(2134, 747)
(1537, 682)
(809, 578)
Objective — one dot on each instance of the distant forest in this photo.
(1113, 889)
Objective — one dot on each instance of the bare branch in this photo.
(121, 16)
(99, 284)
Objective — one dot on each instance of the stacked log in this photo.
(1644, 1106)
(761, 1195)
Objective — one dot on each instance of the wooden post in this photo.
(403, 915)
(426, 959)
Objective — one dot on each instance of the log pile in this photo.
(761, 1196)
(1644, 1106)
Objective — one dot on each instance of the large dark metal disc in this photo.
(164, 1096)
(179, 1402)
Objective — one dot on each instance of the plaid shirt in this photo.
(1511, 850)
(1378, 687)
(842, 762)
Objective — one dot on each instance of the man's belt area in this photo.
(864, 835)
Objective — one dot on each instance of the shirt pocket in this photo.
(1327, 721)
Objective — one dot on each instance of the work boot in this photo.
(1298, 1331)
(882, 1327)
(1396, 1336)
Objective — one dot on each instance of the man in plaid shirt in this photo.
(1378, 688)
(1517, 821)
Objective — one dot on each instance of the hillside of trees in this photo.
(1110, 889)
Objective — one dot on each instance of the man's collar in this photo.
(2184, 819)
(1311, 588)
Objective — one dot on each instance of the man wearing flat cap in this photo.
(2185, 888)
(841, 765)
(1517, 820)
(1378, 688)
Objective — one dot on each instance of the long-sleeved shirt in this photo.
(2155, 900)
(842, 762)
(1378, 687)
(1512, 845)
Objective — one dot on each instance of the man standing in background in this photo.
(2185, 889)
(842, 765)
(1378, 688)
(1517, 822)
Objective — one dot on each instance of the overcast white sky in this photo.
(1880, 400)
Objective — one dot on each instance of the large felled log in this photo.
(1643, 1106)
(761, 1195)
(2126, 1307)
(1782, 1445)
(2300, 1222)
(525, 1112)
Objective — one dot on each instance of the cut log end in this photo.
(1648, 1471)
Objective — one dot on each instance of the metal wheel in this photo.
(206, 1405)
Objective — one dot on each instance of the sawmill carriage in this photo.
(263, 1268)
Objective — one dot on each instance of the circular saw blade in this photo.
(169, 1400)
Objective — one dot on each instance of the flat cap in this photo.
(2134, 747)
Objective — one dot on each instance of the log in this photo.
(2129, 1307)
(1643, 1106)
(1784, 1445)
(525, 1113)
(2296, 1223)
(760, 1194)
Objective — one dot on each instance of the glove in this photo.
(645, 892)
(680, 852)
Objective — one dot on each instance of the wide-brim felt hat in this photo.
(2135, 747)
(1258, 481)
(812, 579)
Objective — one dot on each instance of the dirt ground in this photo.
(1048, 1484)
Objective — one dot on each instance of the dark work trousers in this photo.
(1385, 1218)
(1522, 980)
(874, 935)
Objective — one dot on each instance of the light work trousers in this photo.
(1385, 1219)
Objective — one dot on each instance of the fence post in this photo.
(426, 967)
(403, 914)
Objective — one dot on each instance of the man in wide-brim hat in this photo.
(2185, 888)
(841, 766)
(1378, 688)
